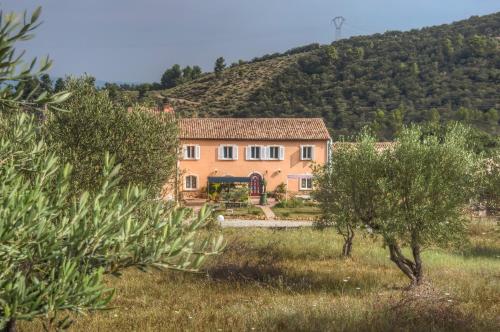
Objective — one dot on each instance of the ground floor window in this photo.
(306, 184)
(191, 182)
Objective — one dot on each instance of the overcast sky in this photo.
(136, 40)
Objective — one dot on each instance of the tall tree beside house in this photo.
(55, 245)
(428, 181)
(347, 188)
(143, 142)
(412, 194)
(220, 65)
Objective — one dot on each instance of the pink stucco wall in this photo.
(274, 171)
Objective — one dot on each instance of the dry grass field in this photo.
(294, 280)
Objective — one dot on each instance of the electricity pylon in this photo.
(338, 22)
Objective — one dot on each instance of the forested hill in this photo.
(446, 72)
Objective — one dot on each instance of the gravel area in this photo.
(265, 223)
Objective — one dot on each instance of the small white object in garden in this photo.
(358, 288)
(345, 280)
(450, 300)
(446, 294)
(190, 317)
(220, 218)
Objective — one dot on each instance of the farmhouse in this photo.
(261, 152)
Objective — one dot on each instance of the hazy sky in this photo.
(134, 41)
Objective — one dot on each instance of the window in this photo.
(306, 184)
(276, 152)
(191, 152)
(307, 152)
(228, 152)
(191, 182)
(255, 152)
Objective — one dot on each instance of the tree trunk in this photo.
(11, 326)
(413, 270)
(416, 250)
(348, 237)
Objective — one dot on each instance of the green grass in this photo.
(250, 212)
(294, 280)
(302, 212)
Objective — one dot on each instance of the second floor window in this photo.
(228, 152)
(255, 152)
(274, 152)
(307, 152)
(191, 152)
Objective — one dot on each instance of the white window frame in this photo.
(305, 188)
(186, 188)
(302, 147)
(281, 152)
(221, 151)
(196, 149)
(262, 152)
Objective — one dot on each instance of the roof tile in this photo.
(254, 128)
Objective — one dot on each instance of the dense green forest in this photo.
(441, 73)
(436, 74)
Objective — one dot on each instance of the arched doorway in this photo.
(255, 184)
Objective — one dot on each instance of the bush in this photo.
(291, 203)
(235, 194)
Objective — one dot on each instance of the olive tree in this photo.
(55, 248)
(15, 72)
(143, 142)
(488, 182)
(427, 183)
(347, 188)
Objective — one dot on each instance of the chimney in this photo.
(168, 109)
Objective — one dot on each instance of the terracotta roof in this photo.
(254, 128)
(379, 146)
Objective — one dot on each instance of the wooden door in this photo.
(255, 184)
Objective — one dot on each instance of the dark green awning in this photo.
(228, 179)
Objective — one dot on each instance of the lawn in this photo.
(250, 212)
(299, 213)
(294, 280)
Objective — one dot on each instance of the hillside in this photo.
(446, 72)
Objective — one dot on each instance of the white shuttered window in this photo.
(191, 152)
(307, 152)
(228, 152)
